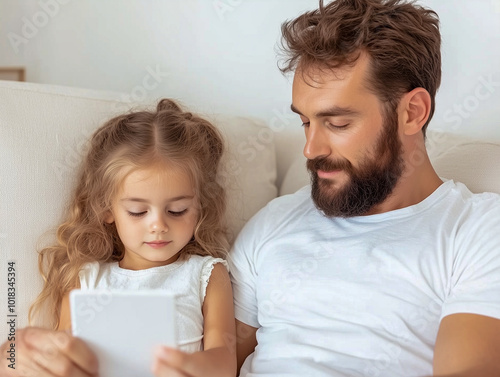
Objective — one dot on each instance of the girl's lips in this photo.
(158, 244)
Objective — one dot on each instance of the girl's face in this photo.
(155, 213)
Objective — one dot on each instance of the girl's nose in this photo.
(159, 226)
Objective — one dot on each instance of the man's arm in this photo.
(467, 345)
(246, 342)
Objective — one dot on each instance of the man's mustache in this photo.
(322, 163)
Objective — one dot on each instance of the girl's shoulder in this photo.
(94, 267)
(205, 262)
(89, 273)
(205, 266)
(90, 266)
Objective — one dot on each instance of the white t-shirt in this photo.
(186, 279)
(363, 296)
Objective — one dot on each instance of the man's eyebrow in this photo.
(174, 199)
(331, 112)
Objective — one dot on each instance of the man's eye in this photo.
(177, 213)
(338, 126)
(305, 124)
(137, 214)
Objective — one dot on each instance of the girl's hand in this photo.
(46, 353)
(169, 362)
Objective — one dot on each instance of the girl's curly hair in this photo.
(124, 144)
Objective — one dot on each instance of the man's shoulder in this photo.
(476, 213)
(286, 206)
(486, 200)
(279, 212)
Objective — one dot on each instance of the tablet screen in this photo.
(123, 327)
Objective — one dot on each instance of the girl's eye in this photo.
(179, 213)
(137, 214)
(305, 124)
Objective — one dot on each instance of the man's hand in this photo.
(45, 353)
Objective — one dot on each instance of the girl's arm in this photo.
(246, 341)
(218, 359)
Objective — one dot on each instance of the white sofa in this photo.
(42, 138)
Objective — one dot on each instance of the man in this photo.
(379, 268)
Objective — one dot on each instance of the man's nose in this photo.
(317, 142)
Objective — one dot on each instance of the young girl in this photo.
(148, 213)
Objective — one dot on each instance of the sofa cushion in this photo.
(296, 176)
(43, 133)
(472, 162)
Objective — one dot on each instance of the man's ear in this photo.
(109, 218)
(416, 108)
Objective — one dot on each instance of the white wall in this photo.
(219, 55)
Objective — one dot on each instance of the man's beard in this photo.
(369, 184)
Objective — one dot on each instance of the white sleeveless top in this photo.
(186, 279)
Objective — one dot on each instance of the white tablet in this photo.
(123, 327)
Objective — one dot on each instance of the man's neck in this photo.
(418, 182)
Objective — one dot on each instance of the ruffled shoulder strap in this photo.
(88, 275)
(206, 272)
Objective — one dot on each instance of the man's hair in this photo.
(401, 38)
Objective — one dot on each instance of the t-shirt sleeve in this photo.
(475, 279)
(243, 274)
(206, 272)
